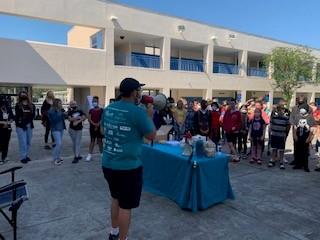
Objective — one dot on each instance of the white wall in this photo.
(23, 62)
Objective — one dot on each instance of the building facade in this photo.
(108, 42)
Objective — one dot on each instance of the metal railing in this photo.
(138, 60)
(225, 68)
(183, 64)
(258, 72)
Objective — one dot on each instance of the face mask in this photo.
(24, 97)
(244, 111)
(94, 104)
(74, 108)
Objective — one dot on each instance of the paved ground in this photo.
(70, 202)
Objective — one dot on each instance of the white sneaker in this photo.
(88, 159)
(285, 160)
(58, 162)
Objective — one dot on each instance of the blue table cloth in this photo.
(195, 185)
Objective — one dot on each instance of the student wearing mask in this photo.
(76, 118)
(232, 126)
(25, 113)
(6, 118)
(202, 120)
(303, 135)
(56, 119)
(179, 115)
(279, 130)
(243, 133)
(46, 106)
(95, 115)
(215, 124)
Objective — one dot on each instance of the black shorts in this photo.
(232, 137)
(125, 186)
(278, 142)
(95, 133)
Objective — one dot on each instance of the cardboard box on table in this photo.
(163, 132)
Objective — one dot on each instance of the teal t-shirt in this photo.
(124, 125)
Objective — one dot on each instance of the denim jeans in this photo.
(76, 139)
(24, 138)
(57, 136)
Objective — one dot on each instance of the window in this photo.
(97, 40)
(152, 51)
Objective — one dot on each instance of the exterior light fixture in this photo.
(113, 18)
(181, 28)
(213, 38)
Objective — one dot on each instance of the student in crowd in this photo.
(25, 113)
(257, 132)
(95, 115)
(6, 118)
(232, 125)
(279, 130)
(56, 118)
(303, 135)
(215, 123)
(121, 162)
(46, 106)
(294, 118)
(76, 116)
(189, 123)
(179, 115)
(202, 120)
(243, 133)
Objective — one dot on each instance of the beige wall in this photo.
(23, 62)
(79, 36)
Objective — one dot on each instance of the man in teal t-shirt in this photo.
(124, 125)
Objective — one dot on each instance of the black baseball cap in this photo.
(128, 85)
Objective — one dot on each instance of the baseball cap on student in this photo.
(128, 85)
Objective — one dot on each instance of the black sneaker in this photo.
(317, 169)
(292, 163)
(297, 167)
(47, 147)
(306, 169)
(75, 160)
(113, 237)
(271, 164)
(28, 159)
(79, 158)
(24, 161)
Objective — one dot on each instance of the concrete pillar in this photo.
(270, 70)
(208, 58)
(166, 91)
(270, 100)
(243, 96)
(293, 100)
(243, 60)
(313, 97)
(314, 72)
(110, 81)
(70, 94)
(208, 94)
(166, 53)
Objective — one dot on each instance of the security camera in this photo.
(121, 37)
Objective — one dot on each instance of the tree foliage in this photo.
(291, 69)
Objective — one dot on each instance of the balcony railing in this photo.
(225, 68)
(258, 72)
(138, 60)
(184, 64)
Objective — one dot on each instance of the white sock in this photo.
(114, 231)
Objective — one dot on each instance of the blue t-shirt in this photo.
(124, 126)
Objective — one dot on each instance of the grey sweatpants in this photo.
(76, 139)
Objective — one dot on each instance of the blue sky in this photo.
(294, 21)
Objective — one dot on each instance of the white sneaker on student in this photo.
(88, 159)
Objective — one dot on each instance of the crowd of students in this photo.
(239, 124)
(231, 123)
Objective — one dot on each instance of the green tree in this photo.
(291, 69)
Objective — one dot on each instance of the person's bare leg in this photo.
(274, 155)
(281, 155)
(124, 218)
(114, 213)
(232, 148)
